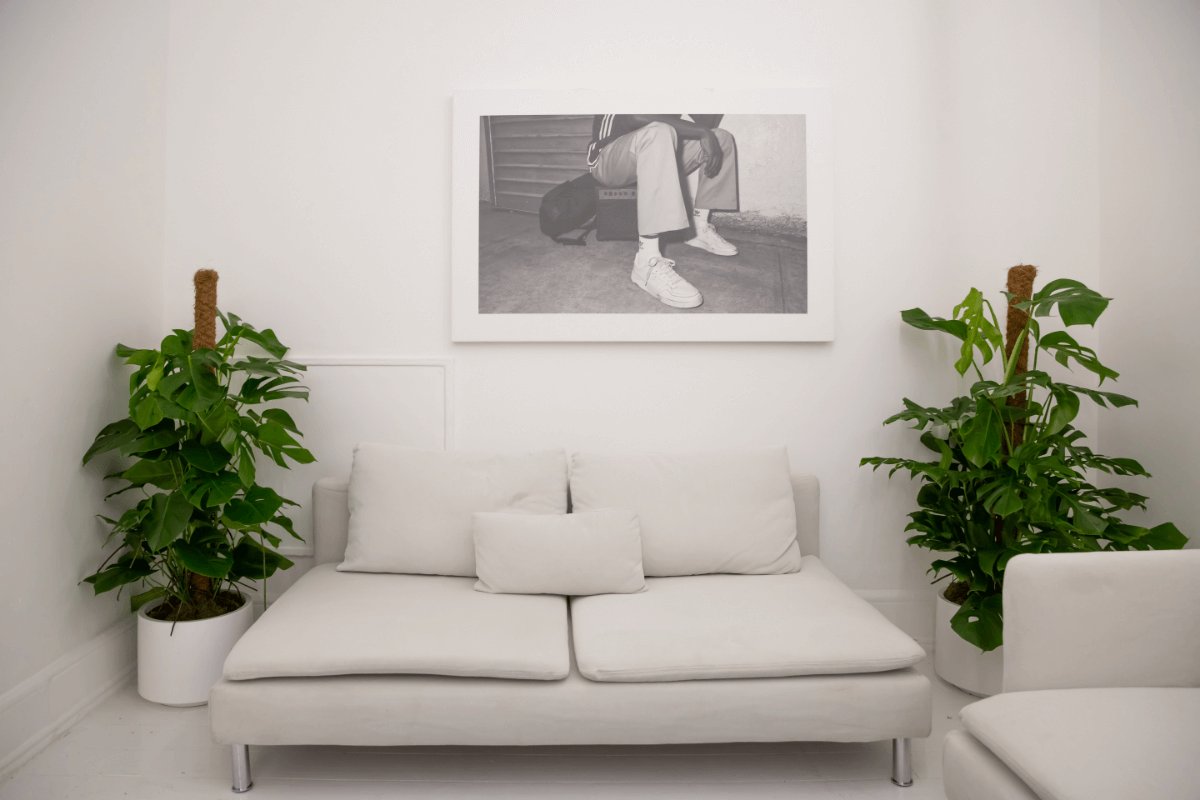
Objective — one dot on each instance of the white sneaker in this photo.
(658, 277)
(708, 239)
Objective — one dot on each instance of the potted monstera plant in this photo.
(203, 527)
(1009, 473)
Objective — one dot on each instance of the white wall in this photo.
(308, 161)
(1150, 247)
(1017, 92)
(81, 241)
(302, 149)
(772, 169)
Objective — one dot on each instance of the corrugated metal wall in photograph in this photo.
(530, 155)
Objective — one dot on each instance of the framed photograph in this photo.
(570, 224)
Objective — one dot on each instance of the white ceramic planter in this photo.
(961, 663)
(180, 669)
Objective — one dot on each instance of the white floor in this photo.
(129, 748)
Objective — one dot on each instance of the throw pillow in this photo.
(593, 552)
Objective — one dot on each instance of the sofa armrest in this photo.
(1095, 620)
(806, 492)
(331, 520)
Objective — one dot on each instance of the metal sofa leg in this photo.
(901, 762)
(241, 768)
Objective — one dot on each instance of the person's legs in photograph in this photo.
(648, 157)
(716, 193)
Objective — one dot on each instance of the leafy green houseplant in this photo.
(1009, 472)
(196, 425)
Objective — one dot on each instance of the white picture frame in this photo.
(468, 324)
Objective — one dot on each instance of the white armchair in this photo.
(1101, 684)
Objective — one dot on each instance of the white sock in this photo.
(649, 246)
(701, 216)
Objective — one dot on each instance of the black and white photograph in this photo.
(659, 226)
(642, 213)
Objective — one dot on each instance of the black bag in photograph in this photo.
(616, 214)
(568, 207)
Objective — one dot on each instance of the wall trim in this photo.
(447, 365)
(909, 610)
(44, 706)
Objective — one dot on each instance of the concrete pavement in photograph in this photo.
(522, 271)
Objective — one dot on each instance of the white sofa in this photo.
(819, 663)
(1101, 695)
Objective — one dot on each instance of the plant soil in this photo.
(956, 592)
(173, 611)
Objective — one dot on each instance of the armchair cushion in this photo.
(972, 772)
(736, 626)
(1095, 744)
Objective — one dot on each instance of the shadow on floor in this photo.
(522, 271)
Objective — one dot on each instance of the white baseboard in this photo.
(40, 709)
(910, 611)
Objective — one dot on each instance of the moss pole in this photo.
(204, 337)
(1020, 284)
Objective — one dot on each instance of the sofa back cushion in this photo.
(700, 513)
(331, 516)
(411, 510)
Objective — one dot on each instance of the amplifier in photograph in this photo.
(616, 214)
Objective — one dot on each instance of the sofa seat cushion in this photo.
(347, 623)
(1095, 744)
(736, 626)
